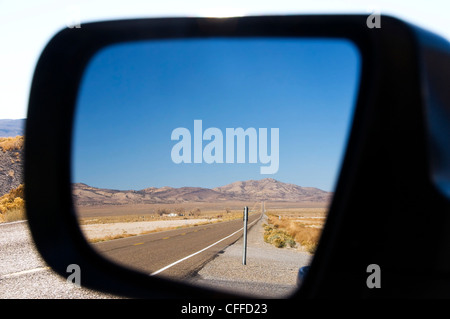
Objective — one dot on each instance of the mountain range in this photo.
(255, 190)
(11, 128)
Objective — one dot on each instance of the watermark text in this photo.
(235, 148)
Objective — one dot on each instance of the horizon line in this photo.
(166, 186)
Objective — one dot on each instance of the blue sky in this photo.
(134, 95)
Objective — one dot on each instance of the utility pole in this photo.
(244, 255)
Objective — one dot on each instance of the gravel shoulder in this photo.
(269, 272)
(94, 231)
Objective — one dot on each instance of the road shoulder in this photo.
(269, 272)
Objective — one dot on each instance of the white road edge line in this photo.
(29, 271)
(198, 252)
(16, 222)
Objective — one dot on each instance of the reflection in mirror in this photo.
(174, 138)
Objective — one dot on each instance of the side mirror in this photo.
(392, 169)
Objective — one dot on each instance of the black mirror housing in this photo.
(386, 205)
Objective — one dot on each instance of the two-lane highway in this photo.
(175, 253)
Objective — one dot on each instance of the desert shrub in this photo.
(12, 205)
(12, 200)
(11, 143)
(14, 214)
(308, 237)
(277, 237)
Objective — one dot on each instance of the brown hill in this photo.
(265, 189)
(271, 189)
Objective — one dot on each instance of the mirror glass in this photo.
(175, 139)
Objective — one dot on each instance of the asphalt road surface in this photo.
(176, 253)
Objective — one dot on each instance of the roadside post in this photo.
(244, 256)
